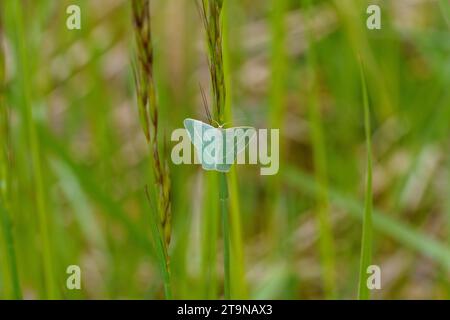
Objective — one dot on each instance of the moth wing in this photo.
(235, 143)
(195, 129)
(236, 139)
(209, 160)
(223, 166)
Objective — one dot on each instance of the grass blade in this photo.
(159, 243)
(366, 242)
(211, 12)
(210, 225)
(327, 251)
(382, 222)
(25, 85)
(237, 273)
(276, 114)
(223, 196)
(11, 273)
(148, 112)
(90, 186)
(445, 8)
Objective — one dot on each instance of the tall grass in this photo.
(11, 276)
(277, 109)
(237, 273)
(326, 242)
(211, 16)
(148, 113)
(223, 198)
(358, 39)
(366, 238)
(25, 85)
(445, 8)
(210, 223)
(76, 162)
(399, 231)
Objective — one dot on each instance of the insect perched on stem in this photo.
(217, 147)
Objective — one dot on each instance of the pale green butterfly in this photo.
(217, 148)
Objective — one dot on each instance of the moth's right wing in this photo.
(236, 140)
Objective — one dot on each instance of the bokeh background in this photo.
(74, 161)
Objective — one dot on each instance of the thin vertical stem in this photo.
(278, 63)
(210, 226)
(148, 112)
(445, 9)
(277, 110)
(211, 12)
(24, 73)
(237, 274)
(11, 274)
(366, 242)
(326, 244)
(5, 221)
(223, 194)
(447, 211)
(161, 250)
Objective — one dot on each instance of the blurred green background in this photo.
(74, 161)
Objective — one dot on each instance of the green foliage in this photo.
(86, 118)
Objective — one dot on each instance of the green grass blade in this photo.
(11, 274)
(445, 8)
(326, 242)
(11, 265)
(149, 108)
(76, 197)
(278, 63)
(84, 177)
(25, 85)
(366, 242)
(210, 225)
(223, 196)
(237, 273)
(277, 110)
(211, 12)
(159, 242)
(382, 222)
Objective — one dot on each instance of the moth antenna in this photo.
(225, 123)
(218, 124)
(205, 104)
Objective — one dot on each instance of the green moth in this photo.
(217, 148)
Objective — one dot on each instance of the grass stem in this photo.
(210, 226)
(366, 242)
(405, 234)
(223, 195)
(237, 273)
(326, 242)
(25, 83)
(148, 113)
(445, 9)
(211, 16)
(11, 273)
(276, 113)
